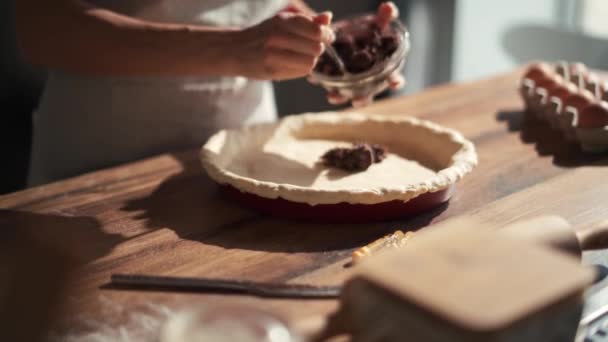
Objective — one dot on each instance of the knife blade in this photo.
(260, 289)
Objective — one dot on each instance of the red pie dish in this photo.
(276, 168)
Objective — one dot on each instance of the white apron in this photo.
(86, 123)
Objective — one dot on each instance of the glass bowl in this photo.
(374, 80)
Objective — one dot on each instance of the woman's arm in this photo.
(73, 36)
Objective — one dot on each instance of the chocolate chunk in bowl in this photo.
(275, 169)
(361, 44)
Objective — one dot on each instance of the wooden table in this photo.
(164, 216)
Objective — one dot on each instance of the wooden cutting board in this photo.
(465, 282)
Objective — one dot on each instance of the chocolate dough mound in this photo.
(361, 45)
(359, 157)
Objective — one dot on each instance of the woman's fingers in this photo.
(288, 74)
(396, 81)
(323, 18)
(387, 12)
(312, 80)
(362, 101)
(300, 6)
(282, 64)
(305, 27)
(291, 42)
(335, 98)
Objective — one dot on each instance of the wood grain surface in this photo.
(163, 216)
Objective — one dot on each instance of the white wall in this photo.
(594, 15)
(480, 26)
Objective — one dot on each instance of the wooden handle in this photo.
(549, 230)
(594, 236)
(557, 232)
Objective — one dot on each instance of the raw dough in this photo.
(281, 160)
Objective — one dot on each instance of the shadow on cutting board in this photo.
(549, 142)
(191, 205)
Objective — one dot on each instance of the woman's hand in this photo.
(387, 12)
(284, 47)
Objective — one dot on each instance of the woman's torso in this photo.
(85, 123)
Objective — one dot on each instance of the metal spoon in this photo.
(334, 55)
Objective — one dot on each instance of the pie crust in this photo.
(280, 160)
